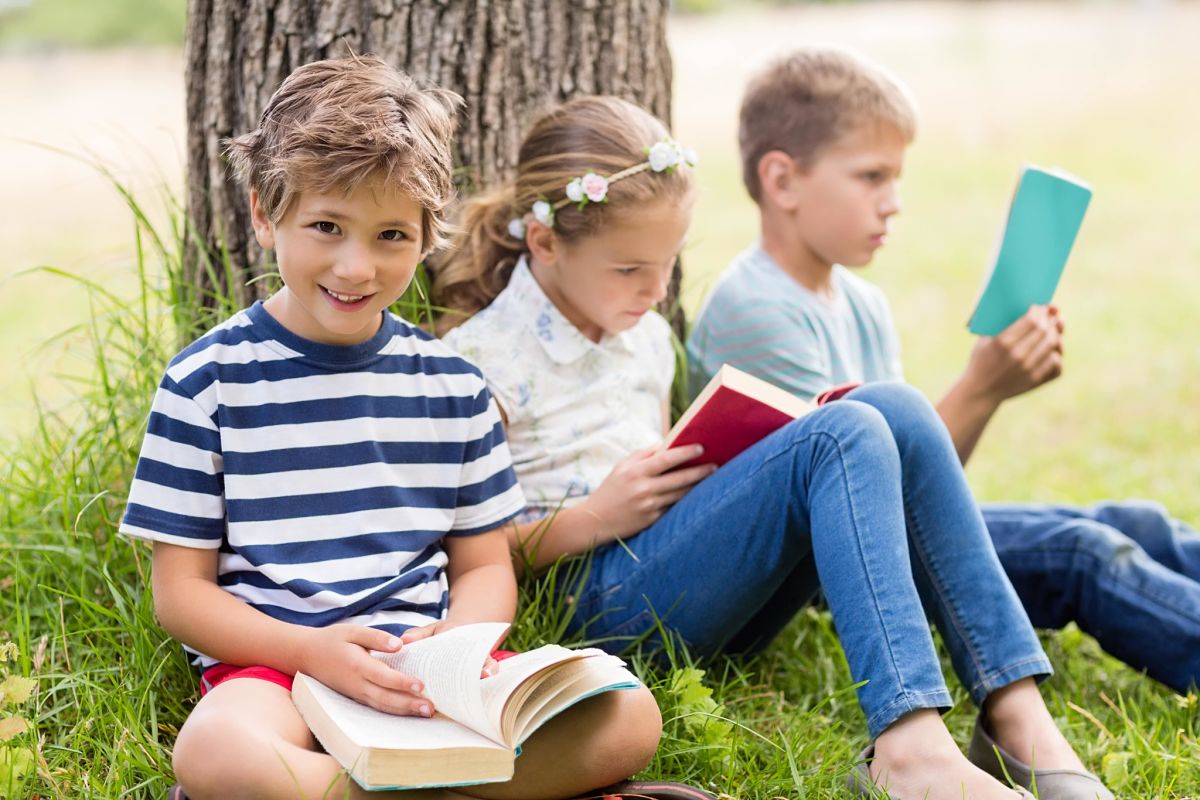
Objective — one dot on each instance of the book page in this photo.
(515, 670)
(449, 664)
(577, 681)
(370, 728)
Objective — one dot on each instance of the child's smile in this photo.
(344, 258)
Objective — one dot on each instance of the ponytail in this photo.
(480, 261)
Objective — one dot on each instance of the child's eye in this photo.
(626, 270)
(874, 176)
(392, 235)
(325, 226)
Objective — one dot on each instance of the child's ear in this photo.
(264, 230)
(777, 173)
(542, 243)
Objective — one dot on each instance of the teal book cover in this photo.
(1043, 221)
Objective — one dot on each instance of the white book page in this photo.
(370, 728)
(450, 664)
(561, 692)
(514, 671)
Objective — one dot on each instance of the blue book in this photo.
(1043, 221)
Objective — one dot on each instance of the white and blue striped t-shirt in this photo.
(327, 476)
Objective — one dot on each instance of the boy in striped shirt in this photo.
(321, 479)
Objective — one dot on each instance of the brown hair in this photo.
(336, 124)
(590, 134)
(809, 99)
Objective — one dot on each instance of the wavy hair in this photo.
(589, 134)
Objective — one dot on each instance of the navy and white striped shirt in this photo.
(327, 476)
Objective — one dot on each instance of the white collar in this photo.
(561, 340)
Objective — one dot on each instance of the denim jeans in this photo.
(863, 499)
(1126, 573)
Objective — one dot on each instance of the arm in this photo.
(196, 611)
(1024, 356)
(483, 587)
(635, 494)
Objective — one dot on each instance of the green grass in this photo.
(71, 23)
(112, 689)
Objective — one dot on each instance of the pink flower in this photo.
(595, 187)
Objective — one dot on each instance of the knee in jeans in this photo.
(907, 411)
(1134, 516)
(854, 415)
(1103, 545)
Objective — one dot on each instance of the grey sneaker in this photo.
(1052, 784)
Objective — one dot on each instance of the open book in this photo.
(734, 411)
(1043, 220)
(479, 723)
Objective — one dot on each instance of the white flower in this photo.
(516, 228)
(595, 187)
(691, 157)
(543, 212)
(575, 190)
(664, 155)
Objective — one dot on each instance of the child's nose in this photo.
(660, 283)
(354, 264)
(890, 203)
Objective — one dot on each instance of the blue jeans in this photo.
(1126, 573)
(864, 499)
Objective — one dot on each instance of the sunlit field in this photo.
(1104, 91)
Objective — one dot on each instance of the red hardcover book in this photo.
(734, 411)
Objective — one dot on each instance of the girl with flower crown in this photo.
(557, 275)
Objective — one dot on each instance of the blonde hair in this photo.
(590, 134)
(336, 124)
(809, 99)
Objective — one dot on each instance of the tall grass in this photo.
(112, 689)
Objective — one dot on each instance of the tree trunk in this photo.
(507, 58)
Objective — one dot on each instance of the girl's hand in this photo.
(1024, 356)
(641, 488)
(338, 657)
(490, 667)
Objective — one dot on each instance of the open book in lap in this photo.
(480, 722)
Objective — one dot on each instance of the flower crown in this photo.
(662, 156)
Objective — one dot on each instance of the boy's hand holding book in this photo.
(1027, 354)
(340, 657)
(480, 723)
(490, 666)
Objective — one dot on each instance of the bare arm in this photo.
(1024, 356)
(637, 492)
(196, 611)
(483, 587)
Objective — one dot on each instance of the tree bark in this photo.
(507, 58)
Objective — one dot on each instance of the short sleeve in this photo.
(488, 492)
(768, 343)
(177, 493)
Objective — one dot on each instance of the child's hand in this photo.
(490, 667)
(641, 488)
(1024, 356)
(338, 656)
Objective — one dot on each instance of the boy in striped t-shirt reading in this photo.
(321, 479)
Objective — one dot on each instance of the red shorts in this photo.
(217, 674)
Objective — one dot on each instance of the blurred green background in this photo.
(1104, 90)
